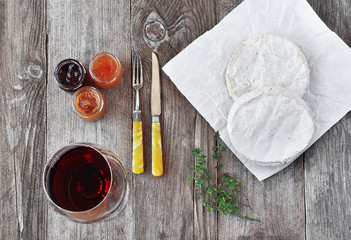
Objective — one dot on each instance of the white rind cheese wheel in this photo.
(267, 60)
(270, 126)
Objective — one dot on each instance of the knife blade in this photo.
(157, 163)
(155, 89)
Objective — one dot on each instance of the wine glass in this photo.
(85, 182)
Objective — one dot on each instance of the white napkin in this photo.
(198, 71)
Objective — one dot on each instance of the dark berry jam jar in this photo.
(70, 75)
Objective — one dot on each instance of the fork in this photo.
(137, 83)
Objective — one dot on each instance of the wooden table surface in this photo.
(310, 199)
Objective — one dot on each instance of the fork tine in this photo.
(137, 68)
(137, 72)
(133, 76)
(141, 80)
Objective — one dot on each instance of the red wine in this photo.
(79, 180)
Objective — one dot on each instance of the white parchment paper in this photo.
(199, 70)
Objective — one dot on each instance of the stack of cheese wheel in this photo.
(269, 122)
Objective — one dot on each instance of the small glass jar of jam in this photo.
(105, 70)
(88, 103)
(70, 75)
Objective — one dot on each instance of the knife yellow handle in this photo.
(138, 155)
(157, 164)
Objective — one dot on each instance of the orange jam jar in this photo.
(88, 103)
(105, 70)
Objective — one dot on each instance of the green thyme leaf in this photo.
(222, 197)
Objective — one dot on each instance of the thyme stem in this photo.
(222, 197)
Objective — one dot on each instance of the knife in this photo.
(157, 164)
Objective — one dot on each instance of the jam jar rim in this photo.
(118, 69)
(98, 94)
(81, 81)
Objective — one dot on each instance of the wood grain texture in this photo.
(328, 184)
(22, 119)
(165, 209)
(278, 202)
(79, 30)
(310, 199)
(328, 161)
(205, 222)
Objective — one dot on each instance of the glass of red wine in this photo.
(85, 182)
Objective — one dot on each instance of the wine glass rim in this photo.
(59, 153)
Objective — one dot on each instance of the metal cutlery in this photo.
(157, 162)
(137, 83)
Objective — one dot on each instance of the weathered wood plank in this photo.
(328, 184)
(328, 161)
(79, 30)
(22, 119)
(278, 201)
(205, 222)
(164, 206)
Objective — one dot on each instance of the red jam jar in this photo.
(105, 70)
(88, 103)
(70, 75)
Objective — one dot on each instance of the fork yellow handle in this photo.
(138, 155)
(157, 164)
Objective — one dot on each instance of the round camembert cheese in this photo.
(270, 126)
(267, 60)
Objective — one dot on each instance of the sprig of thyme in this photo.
(218, 147)
(223, 197)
